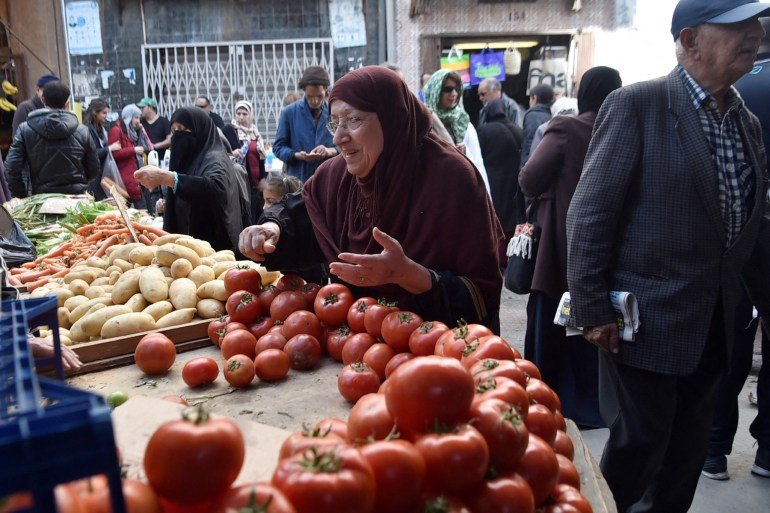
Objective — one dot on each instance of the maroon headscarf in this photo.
(422, 192)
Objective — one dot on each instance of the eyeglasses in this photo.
(351, 123)
(449, 89)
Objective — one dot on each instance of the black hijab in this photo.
(205, 133)
(496, 110)
(597, 83)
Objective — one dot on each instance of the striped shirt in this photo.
(735, 173)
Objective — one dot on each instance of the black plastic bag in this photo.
(15, 247)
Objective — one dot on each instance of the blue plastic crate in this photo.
(50, 433)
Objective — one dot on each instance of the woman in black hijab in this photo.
(568, 364)
(204, 197)
(500, 142)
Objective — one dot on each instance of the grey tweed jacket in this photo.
(646, 218)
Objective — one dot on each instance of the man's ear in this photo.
(688, 37)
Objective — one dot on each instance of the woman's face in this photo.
(136, 122)
(242, 117)
(101, 116)
(448, 99)
(272, 196)
(179, 127)
(358, 136)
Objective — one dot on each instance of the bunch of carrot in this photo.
(91, 240)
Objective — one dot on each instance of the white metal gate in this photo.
(262, 72)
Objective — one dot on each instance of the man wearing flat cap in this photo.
(302, 140)
(670, 207)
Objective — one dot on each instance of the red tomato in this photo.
(214, 327)
(374, 316)
(337, 426)
(155, 353)
(302, 322)
(397, 327)
(260, 326)
(422, 341)
(333, 480)
(505, 389)
(370, 419)
(277, 328)
(427, 390)
(356, 346)
(271, 365)
(289, 282)
(193, 460)
(529, 368)
(489, 347)
(304, 352)
(563, 445)
(541, 393)
(266, 297)
(286, 303)
(485, 369)
(332, 303)
(567, 495)
(561, 424)
(509, 493)
(230, 326)
(238, 342)
(453, 342)
(310, 291)
(377, 357)
(539, 467)
(243, 306)
(200, 371)
(270, 341)
(357, 312)
(300, 441)
(356, 380)
(399, 473)
(335, 341)
(504, 431)
(243, 278)
(444, 504)
(94, 496)
(568, 474)
(455, 461)
(239, 371)
(255, 498)
(540, 421)
(396, 362)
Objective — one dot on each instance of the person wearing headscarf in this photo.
(249, 149)
(206, 197)
(444, 97)
(568, 364)
(134, 144)
(96, 120)
(399, 214)
(500, 142)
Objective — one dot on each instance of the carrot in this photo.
(152, 236)
(144, 240)
(35, 275)
(105, 217)
(17, 270)
(32, 285)
(85, 229)
(13, 280)
(106, 244)
(97, 235)
(150, 229)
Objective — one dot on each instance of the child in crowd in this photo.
(276, 186)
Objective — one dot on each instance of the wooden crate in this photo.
(112, 352)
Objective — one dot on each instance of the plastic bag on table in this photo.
(111, 176)
(15, 247)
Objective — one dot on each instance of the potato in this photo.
(95, 307)
(137, 302)
(122, 251)
(208, 261)
(86, 274)
(124, 265)
(167, 253)
(181, 268)
(112, 269)
(176, 318)
(142, 255)
(64, 331)
(78, 287)
(201, 275)
(127, 324)
(223, 256)
(210, 308)
(220, 268)
(65, 340)
(62, 295)
(126, 286)
(152, 284)
(165, 239)
(74, 302)
(183, 293)
(98, 282)
(92, 292)
(90, 325)
(159, 309)
(214, 289)
(169, 280)
(40, 292)
(115, 276)
(64, 317)
(97, 262)
(201, 247)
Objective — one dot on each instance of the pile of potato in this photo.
(137, 288)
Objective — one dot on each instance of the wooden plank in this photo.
(592, 483)
(119, 361)
(122, 346)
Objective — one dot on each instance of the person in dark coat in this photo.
(500, 142)
(540, 100)
(568, 364)
(205, 198)
(96, 121)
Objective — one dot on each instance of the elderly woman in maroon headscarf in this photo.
(399, 213)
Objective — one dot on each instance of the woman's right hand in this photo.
(115, 146)
(259, 240)
(138, 150)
